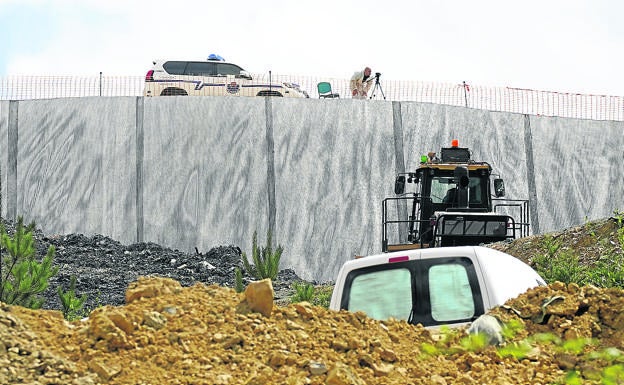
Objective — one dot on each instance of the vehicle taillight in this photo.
(149, 77)
(402, 258)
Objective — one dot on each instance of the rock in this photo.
(490, 326)
(258, 297)
(341, 374)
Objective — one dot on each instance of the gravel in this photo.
(104, 267)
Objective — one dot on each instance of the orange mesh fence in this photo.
(504, 99)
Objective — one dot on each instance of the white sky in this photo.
(550, 45)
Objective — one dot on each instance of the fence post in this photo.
(100, 83)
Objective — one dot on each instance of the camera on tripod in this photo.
(377, 86)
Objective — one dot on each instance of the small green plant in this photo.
(238, 280)
(22, 278)
(322, 295)
(265, 260)
(429, 349)
(511, 329)
(607, 271)
(619, 217)
(563, 267)
(613, 375)
(573, 378)
(476, 342)
(552, 245)
(518, 350)
(73, 306)
(575, 345)
(304, 291)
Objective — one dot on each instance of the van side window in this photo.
(450, 293)
(382, 294)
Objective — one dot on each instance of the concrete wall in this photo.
(4, 153)
(189, 172)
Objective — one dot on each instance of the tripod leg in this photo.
(382, 93)
(374, 89)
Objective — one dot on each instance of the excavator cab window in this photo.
(440, 187)
(443, 190)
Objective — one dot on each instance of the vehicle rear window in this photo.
(431, 291)
(175, 67)
(450, 293)
(382, 294)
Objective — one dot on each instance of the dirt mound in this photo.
(170, 334)
(589, 242)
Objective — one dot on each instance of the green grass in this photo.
(316, 295)
(559, 264)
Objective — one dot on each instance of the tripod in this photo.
(377, 85)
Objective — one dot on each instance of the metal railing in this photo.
(504, 99)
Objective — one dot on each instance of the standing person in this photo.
(360, 83)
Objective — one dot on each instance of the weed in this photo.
(22, 278)
(619, 217)
(265, 259)
(322, 295)
(304, 291)
(238, 280)
(518, 350)
(476, 342)
(73, 307)
(564, 267)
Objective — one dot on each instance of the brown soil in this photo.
(169, 334)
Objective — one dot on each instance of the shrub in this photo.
(304, 291)
(265, 259)
(22, 278)
(73, 307)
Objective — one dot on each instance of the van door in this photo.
(433, 291)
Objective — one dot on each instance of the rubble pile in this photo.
(167, 333)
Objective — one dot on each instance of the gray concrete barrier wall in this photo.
(4, 153)
(331, 163)
(578, 169)
(204, 172)
(76, 165)
(189, 172)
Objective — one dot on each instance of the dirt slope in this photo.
(169, 334)
(589, 241)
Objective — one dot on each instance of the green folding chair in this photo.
(325, 91)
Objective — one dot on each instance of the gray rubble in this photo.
(104, 267)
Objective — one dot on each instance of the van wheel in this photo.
(269, 93)
(173, 92)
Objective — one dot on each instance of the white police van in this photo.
(213, 77)
(438, 286)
